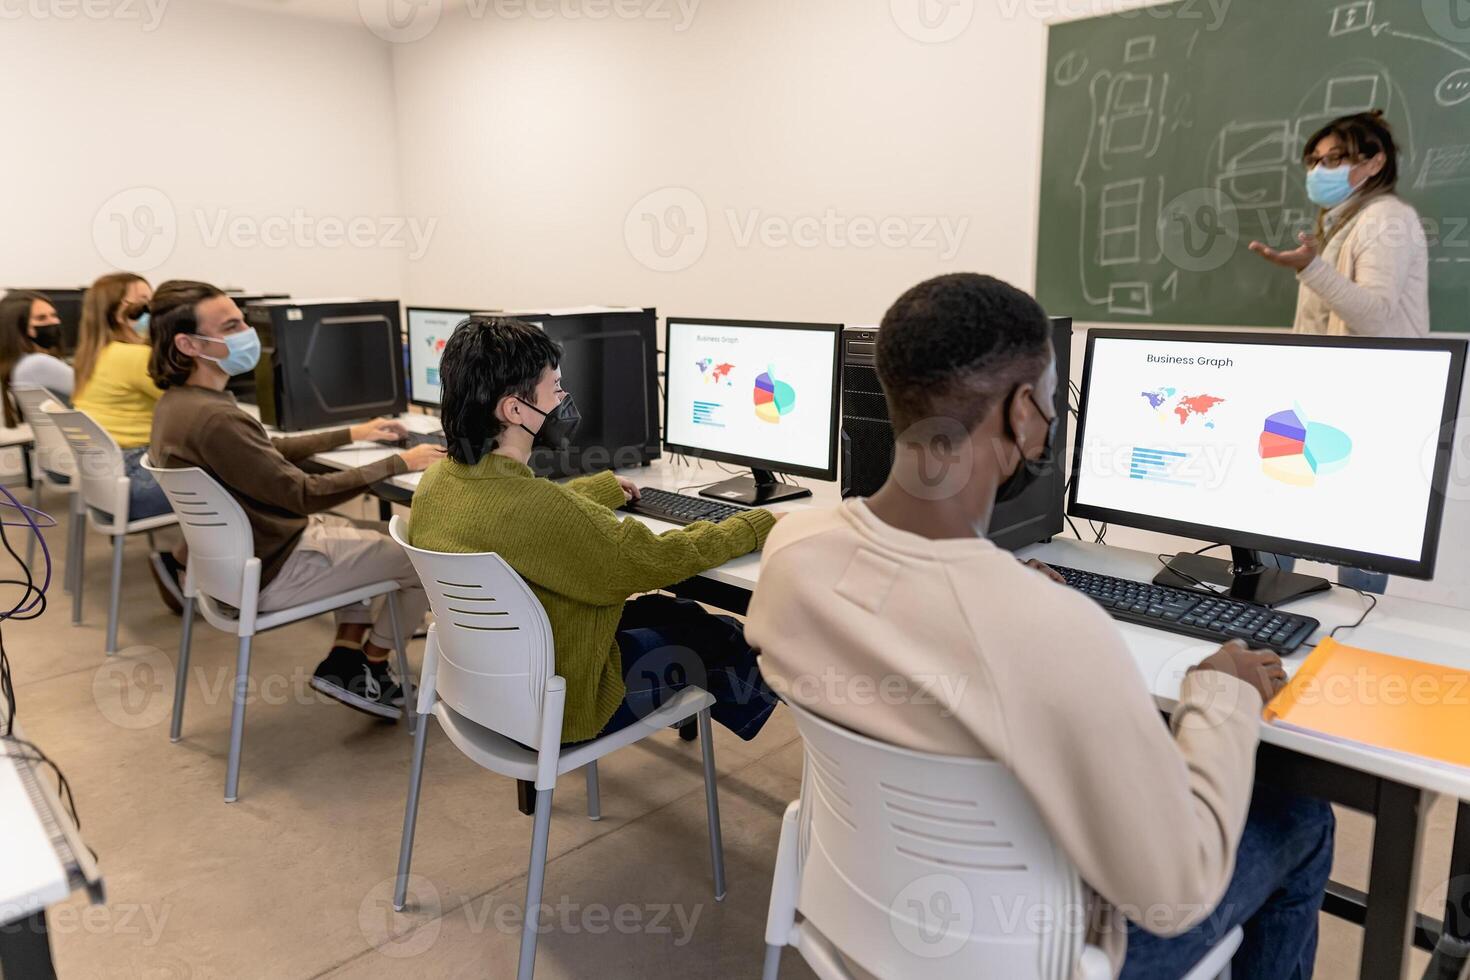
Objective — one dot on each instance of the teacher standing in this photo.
(1365, 271)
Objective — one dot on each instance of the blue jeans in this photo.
(145, 496)
(669, 644)
(1275, 894)
(1352, 578)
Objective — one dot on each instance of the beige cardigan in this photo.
(1005, 664)
(1372, 279)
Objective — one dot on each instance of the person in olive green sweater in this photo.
(501, 393)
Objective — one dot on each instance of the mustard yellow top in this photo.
(120, 396)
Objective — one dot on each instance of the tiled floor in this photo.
(294, 880)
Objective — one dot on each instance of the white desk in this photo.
(1397, 792)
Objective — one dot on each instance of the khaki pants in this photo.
(335, 555)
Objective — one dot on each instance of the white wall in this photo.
(536, 140)
(210, 110)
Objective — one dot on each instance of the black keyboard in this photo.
(1193, 612)
(678, 508)
(422, 439)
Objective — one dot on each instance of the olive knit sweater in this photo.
(582, 560)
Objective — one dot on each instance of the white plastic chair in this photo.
(104, 493)
(489, 678)
(914, 865)
(54, 467)
(223, 581)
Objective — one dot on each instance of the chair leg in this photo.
(76, 591)
(410, 816)
(114, 599)
(68, 578)
(181, 681)
(712, 804)
(400, 654)
(540, 837)
(772, 967)
(594, 796)
(237, 721)
(31, 538)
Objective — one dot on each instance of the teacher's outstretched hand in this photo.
(1298, 258)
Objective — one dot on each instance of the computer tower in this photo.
(243, 385)
(68, 303)
(609, 364)
(327, 362)
(867, 440)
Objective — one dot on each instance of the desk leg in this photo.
(25, 949)
(27, 465)
(1388, 927)
(1452, 951)
(385, 510)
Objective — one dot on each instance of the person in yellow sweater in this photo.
(113, 387)
(502, 395)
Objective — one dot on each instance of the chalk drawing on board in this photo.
(1127, 132)
(1120, 222)
(1139, 48)
(1445, 165)
(1261, 188)
(1189, 49)
(1070, 69)
(1355, 93)
(1134, 298)
(1349, 18)
(1130, 92)
(1254, 144)
(1453, 89)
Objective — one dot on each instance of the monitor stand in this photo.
(756, 490)
(1246, 577)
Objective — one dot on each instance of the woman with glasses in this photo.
(1365, 270)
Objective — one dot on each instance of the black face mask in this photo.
(1028, 471)
(47, 337)
(557, 426)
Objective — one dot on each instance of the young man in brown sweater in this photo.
(199, 340)
(903, 593)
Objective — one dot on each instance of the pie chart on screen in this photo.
(773, 398)
(1296, 451)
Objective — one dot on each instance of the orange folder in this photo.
(1403, 707)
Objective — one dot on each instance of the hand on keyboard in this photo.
(379, 430)
(1261, 669)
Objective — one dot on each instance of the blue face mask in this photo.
(141, 324)
(244, 351)
(1327, 187)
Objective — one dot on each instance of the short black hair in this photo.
(952, 345)
(488, 358)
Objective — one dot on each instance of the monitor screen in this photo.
(428, 332)
(1327, 448)
(754, 394)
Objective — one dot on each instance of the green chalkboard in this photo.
(1173, 138)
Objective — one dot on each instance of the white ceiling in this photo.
(343, 11)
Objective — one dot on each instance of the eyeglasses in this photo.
(1332, 159)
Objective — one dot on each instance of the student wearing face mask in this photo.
(29, 331)
(1173, 842)
(1364, 270)
(501, 396)
(199, 341)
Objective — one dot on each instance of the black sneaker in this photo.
(168, 575)
(348, 676)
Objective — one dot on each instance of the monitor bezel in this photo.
(829, 472)
(1423, 568)
(408, 311)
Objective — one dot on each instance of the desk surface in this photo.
(1405, 627)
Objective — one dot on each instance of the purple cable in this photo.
(45, 551)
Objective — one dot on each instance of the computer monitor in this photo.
(756, 394)
(1332, 449)
(428, 332)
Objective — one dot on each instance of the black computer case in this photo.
(327, 362)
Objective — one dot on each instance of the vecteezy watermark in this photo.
(932, 21)
(136, 229)
(840, 687)
(669, 230)
(143, 924)
(408, 934)
(134, 689)
(1450, 19)
(933, 916)
(148, 13)
(1199, 230)
(301, 229)
(405, 21)
(1455, 438)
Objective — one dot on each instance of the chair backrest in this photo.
(99, 461)
(495, 647)
(935, 866)
(215, 527)
(53, 455)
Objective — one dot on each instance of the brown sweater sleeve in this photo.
(297, 448)
(245, 460)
